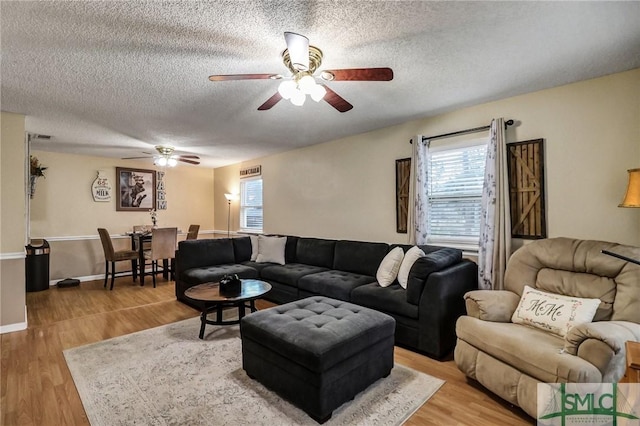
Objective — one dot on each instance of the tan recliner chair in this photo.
(510, 359)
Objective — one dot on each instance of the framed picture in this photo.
(135, 189)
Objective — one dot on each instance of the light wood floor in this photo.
(36, 387)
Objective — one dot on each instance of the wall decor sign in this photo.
(525, 163)
(251, 171)
(101, 188)
(161, 193)
(135, 189)
(403, 174)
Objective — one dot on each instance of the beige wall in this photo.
(345, 188)
(12, 220)
(63, 210)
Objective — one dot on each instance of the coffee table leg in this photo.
(203, 321)
(241, 307)
(252, 305)
(219, 314)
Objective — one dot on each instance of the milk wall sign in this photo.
(101, 188)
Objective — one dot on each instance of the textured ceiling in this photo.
(116, 78)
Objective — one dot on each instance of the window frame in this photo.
(242, 207)
(469, 245)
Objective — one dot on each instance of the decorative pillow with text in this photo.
(554, 313)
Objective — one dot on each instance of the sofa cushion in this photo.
(257, 266)
(389, 267)
(359, 257)
(334, 284)
(242, 248)
(215, 273)
(409, 259)
(424, 266)
(392, 299)
(289, 273)
(554, 313)
(315, 252)
(271, 249)
(205, 252)
(529, 350)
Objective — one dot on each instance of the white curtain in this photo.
(418, 191)
(495, 221)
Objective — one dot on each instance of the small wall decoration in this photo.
(101, 188)
(403, 174)
(526, 189)
(161, 194)
(36, 171)
(251, 171)
(135, 189)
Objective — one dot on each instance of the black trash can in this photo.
(37, 265)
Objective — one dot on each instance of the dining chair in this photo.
(193, 232)
(146, 245)
(112, 256)
(163, 247)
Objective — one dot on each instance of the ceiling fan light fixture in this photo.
(306, 84)
(318, 92)
(298, 98)
(287, 89)
(162, 161)
(172, 162)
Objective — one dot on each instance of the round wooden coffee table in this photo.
(208, 294)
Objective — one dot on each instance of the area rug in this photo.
(168, 376)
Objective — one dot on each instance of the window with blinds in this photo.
(251, 204)
(456, 176)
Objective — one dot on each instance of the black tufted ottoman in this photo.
(317, 352)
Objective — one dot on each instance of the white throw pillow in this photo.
(389, 267)
(410, 257)
(254, 247)
(551, 312)
(271, 249)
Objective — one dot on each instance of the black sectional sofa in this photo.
(425, 312)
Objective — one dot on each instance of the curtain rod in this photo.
(463, 132)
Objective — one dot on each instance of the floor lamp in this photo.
(631, 199)
(229, 197)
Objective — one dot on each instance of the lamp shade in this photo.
(632, 197)
(230, 197)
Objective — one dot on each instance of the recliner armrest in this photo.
(602, 344)
(491, 305)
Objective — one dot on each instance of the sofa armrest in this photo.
(491, 305)
(441, 303)
(613, 333)
(602, 344)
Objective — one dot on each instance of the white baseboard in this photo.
(15, 327)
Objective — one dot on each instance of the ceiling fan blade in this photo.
(245, 77)
(184, 160)
(358, 74)
(336, 101)
(195, 157)
(134, 158)
(298, 46)
(270, 102)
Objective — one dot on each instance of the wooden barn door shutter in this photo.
(526, 189)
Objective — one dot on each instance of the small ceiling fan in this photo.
(303, 61)
(166, 157)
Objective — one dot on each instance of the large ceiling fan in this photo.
(303, 61)
(166, 157)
